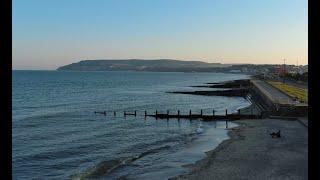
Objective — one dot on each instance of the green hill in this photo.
(140, 65)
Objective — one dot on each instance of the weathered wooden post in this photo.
(239, 111)
(213, 112)
(114, 113)
(145, 113)
(226, 123)
(156, 113)
(178, 113)
(135, 113)
(226, 112)
(190, 112)
(167, 112)
(201, 112)
(105, 113)
(124, 113)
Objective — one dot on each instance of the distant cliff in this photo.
(142, 65)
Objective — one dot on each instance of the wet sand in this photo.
(251, 153)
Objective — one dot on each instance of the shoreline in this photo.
(202, 164)
(250, 153)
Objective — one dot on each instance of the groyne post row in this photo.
(134, 114)
(167, 115)
(125, 113)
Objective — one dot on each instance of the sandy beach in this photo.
(251, 153)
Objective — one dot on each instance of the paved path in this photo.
(275, 95)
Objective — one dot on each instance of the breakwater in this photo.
(190, 116)
(240, 92)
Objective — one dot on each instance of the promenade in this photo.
(275, 95)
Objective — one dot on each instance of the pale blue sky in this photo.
(51, 33)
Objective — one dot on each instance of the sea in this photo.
(57, 135)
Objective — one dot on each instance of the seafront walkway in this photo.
(275, 95)
(283, 103)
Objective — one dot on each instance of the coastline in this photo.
(251, 153)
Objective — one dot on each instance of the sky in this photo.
(51, 33)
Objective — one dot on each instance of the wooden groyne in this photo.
(206, 117)
(229, 84)
(190, 115)
(239, 92)
(236, 88)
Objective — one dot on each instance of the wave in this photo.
(106, 167)
(45, 116)
(47, 106)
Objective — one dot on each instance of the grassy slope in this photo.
(292, 91)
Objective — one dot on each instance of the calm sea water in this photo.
(56, 135)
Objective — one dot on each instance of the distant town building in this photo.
(280, 70)
(244, 70)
